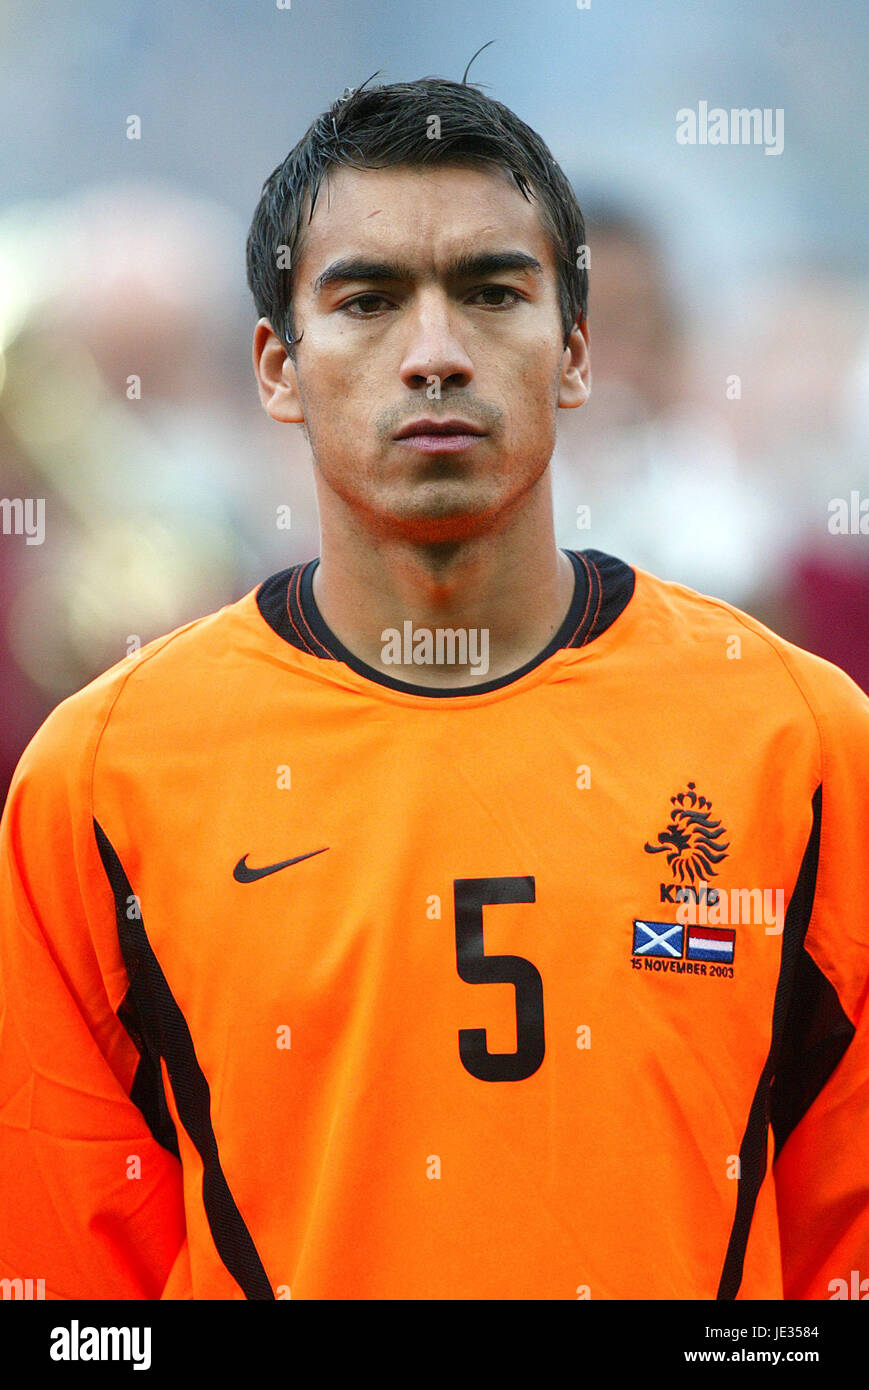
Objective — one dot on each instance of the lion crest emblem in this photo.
(692, 840)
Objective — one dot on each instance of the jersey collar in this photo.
(602, 590)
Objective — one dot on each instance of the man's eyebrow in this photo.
(464, 267)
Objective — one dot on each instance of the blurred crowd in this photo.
(714, 449)
(710, 451)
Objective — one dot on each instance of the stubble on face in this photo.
(360, 379)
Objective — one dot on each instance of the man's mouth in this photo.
(440, 436)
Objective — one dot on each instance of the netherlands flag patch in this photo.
(711, 943)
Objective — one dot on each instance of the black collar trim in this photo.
(604, 587)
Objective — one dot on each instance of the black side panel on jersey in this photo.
(147, 1092)
(150, 1007)
(818, 1033)
(753, 1149)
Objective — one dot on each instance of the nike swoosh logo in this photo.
(242, 874)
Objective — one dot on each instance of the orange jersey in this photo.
(319, 984)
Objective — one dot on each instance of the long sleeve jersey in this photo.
(317, 983)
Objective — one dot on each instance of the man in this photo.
(452, 916)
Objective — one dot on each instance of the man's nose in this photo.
(432, 344)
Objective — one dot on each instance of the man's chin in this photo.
(444, 529)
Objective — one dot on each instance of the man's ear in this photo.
(275, 372)
(575, 383)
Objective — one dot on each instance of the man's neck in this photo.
(496, 599)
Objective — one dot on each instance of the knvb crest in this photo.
(692, 840)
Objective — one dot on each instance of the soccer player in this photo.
(452, 916)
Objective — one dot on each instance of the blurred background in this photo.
(729, 312)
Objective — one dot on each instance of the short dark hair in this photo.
(382, 126)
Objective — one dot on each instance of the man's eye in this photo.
(499, 289)
(360, 299)
(365, 305)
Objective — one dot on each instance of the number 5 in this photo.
(475, 967)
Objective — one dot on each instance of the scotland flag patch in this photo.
(657, 938)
